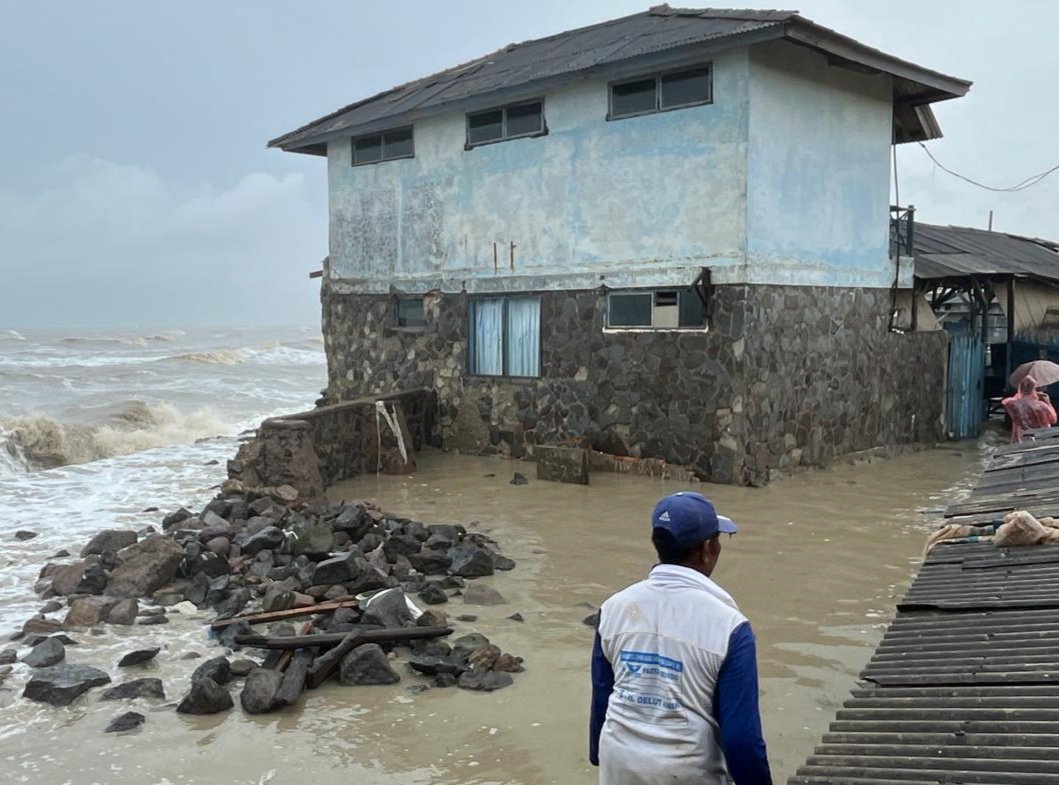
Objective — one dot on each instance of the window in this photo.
(663, 309)
(673, 90)
(505, 336)
(386, 146)
(410, 312)
(508, 122)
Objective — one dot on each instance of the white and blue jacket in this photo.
(674, 686)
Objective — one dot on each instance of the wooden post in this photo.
(915, 306)
(326, 663)
(1011, 330)
(294, 678)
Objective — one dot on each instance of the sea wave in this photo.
(40, 442)
(11, 335)
(219, 357)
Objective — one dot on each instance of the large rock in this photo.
(259, 691)
(94, 581)
(470, 561)
(62, 578)
(137, 688)
(431, 562)
(340, 569)
(45, 654)
(484, 681)
(400, 545)
(278, 598)
(175, 518)
(367, 664)
(465, 645)
(218, 670)
(146, 567)
(130, 720)
(477, 594)
(388, 609)
(139, 657)
(89, 611)
(60, 685)
(124, 612)
(433, 594)
(315, 541)
(39, 626)
(270, 538)
(205, 697)
(433, 664)
(110, 540)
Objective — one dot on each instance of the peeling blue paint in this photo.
(781, 180)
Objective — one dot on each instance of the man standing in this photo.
(674, 668)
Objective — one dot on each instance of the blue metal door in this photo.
(965, 398)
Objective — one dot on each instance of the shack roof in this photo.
(659, 37)
(960, 251)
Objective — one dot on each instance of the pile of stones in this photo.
(256, 551)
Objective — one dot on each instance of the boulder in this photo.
(483, 657)
(218, 670)
(235, 603)
(8, 656)
(138, 657)
(137, 688)
(400, 545)
(175, 518)
(340, 569)
(5, 671)
(465, 644)
(221, 546)
(205, 697)
(39, 626)
(433, 594)
(278, 598)
(445, 680)
(432, 664)
(60, 685)
(240, 669)
(503, 562)
(477, 594)
(431, 562)
(315, 541)
(94, 581)
(367, 664)
(387, 609)
(45, 654)
(432, 618)
(130, 720)
(515, 617)
(109, 540)
(508, 663)
(469, 561)
(124, 612)
(51, 606)
(269, 538)
(484, 681)
(64, 577)
(22, 535)
(89, 611)
(259, 691)
(146, 567)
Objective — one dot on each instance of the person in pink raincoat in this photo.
(1028, 408)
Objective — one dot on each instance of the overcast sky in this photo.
(135, 187)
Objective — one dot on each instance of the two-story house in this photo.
(665, 235)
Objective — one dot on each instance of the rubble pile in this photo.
(339, 586)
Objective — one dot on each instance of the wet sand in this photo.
(815, 566)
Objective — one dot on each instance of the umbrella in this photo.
(1044, 372)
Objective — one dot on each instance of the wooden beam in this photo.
(328, 639)
(291, 613)
(326, 663)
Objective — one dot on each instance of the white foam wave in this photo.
(220, 357)
(12, 335)
(40, 442)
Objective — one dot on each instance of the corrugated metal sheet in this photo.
(570, 54)
(965, 403)
(964, 687)
(958, 251)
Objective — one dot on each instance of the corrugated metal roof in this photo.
(958, 251)
(568, 56)
(964, 687)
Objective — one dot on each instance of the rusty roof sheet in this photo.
(959, 251)
(568, 56)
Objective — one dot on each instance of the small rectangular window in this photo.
(386, 146)
(633, 98)
(410, 312)
(685, 88)
(367, 150)
(505, 336)
(508, 122)
(665, 309)
(672, 90)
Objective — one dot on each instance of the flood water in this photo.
(816, 566)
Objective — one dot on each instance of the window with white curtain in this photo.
(505, 336)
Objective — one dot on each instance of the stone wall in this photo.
(785, 377)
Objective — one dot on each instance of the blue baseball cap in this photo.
(690, 518)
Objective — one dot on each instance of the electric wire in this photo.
(1029, 182)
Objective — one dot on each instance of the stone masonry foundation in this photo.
(785, 377)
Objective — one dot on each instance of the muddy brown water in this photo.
(816, 566)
